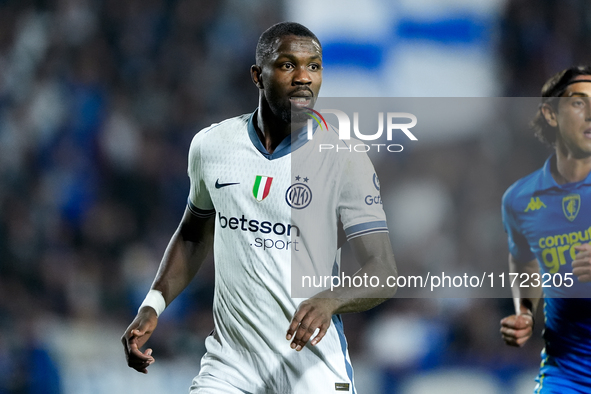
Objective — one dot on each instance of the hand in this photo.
(582, 263)
(311, 315)
(516, 329)
(136, 336)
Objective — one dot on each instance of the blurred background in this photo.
(99, 100)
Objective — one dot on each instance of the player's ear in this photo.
(549, 115)
(256, 73)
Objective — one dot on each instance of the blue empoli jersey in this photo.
(546, 221)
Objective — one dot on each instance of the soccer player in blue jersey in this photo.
(241, 173)
(547, 216)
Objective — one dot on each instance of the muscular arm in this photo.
(186, 251)
(374, 252)
(516, 329)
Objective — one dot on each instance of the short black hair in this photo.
(555, 87)
(282, 29)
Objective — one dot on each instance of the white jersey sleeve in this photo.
(199, 201)
(360, 204)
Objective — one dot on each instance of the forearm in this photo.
(375, 252)
(186, 251)
(525, 298)
(179, 265)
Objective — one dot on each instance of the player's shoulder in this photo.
(221, 131)
(523, 188)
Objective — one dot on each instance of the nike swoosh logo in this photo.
(219, 185)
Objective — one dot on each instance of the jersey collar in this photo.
(284, 148)
(547, 182)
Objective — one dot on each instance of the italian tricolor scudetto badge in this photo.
(262, 185)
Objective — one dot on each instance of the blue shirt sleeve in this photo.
(518, 245)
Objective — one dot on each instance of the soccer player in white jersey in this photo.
(245, 184)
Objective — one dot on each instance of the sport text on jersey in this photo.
(263, 227)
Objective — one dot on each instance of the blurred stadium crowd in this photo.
(98, 103)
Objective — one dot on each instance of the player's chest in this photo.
(258, 182)
(557, 221)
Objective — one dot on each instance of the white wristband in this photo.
(155, 300)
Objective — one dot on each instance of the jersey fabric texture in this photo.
(546, 221)
(253, 195)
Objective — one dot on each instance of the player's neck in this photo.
(569, 169)
(270, 129)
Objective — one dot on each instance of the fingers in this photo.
(295, 322)
(301, 328)
(136, 336)
(584, 247)
(141, 365)
(516, 330)
(302, 335)
(320, 335)
(583, 273)
(516, 341)
(517, 321)
(306, 321)
(135, 358)
(306, 330)
(142, 361)
(582, 263)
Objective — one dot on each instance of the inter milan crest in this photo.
(571, 205)
(299, 195)
(262, 186)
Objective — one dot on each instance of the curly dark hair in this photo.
(554, 87)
